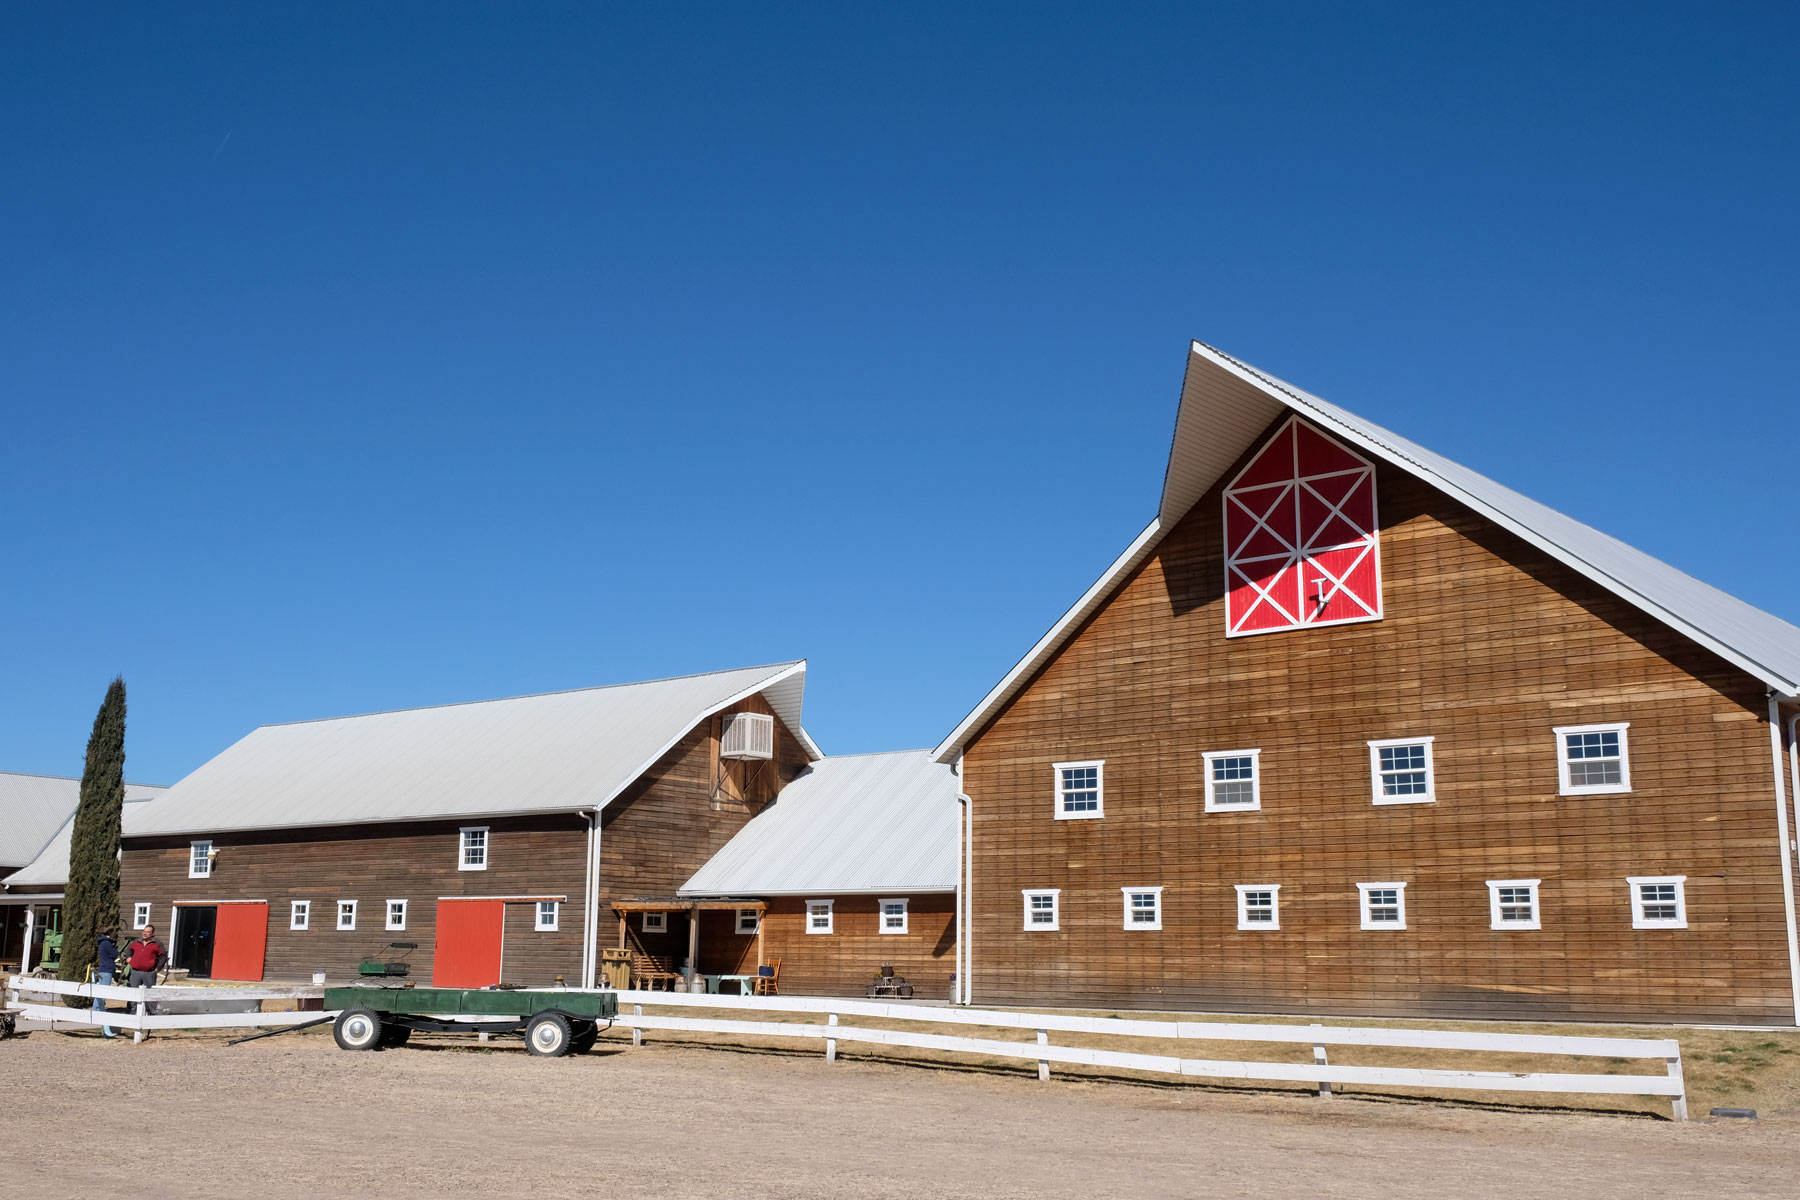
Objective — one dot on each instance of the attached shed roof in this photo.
(1227, 403)
(34, 807)
(863, 823)
(49, 871)
(560, 751)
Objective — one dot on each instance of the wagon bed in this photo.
(554, 1023)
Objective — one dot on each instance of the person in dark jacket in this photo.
(106, 961)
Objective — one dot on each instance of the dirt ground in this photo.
(184, 1115)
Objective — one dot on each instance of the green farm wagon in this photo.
(554, 1023)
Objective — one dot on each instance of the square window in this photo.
(1259, 905)
(474, 855)
(200, 860)
(396, 914)
(1383, 905)
(1658, 901)
(655, 923)
(818, 916)
(1401, 771)
(346, 914)
(1143, 907)
(1041, 910)
(300, 914)
(749, 920)
(140, 915)
(1233, 780)
(1513, 904)
(1593, 760)
(893, 916)
(547, 916)
(1080, 790)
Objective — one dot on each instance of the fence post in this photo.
(143, 1006)
(637, 1010)
(1319, 1060)
(1043, 1063)
(1678, 1103)
(831, 1042)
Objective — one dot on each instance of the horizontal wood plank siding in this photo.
(843, 962)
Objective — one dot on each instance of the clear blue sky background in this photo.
(366, 356)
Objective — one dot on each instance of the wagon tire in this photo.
(548, 1035)
(586, 1034)
(357, 1029)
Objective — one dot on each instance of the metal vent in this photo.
(747, 735)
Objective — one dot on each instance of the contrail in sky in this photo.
(222, 142)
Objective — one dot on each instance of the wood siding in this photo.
(842, 962)
(1486, 645)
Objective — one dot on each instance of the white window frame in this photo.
(300, 914)
(1055, 922)
(200, 860)
(390, 914)
(751, 917)
(1362, 904)
(1099, 765)
(1244, 921)
(1639, 920)
(140, 914)
(1380, 797)
(654, 922)
(1565, 788)
(881, 914)
(1150, 926)
(346, 907)
(550, 926)
(1255, 757)
(1495, 921)
(462, 847)
(830, 917)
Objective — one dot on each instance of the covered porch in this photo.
(676, 940)
(30, 931)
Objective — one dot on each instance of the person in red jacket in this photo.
(144, 957)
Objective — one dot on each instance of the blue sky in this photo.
(359, 357)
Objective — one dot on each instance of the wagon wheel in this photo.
(549, 1035)
(586, 1034)
(357, 1029)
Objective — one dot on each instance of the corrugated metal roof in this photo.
(49, 871)
(33, 807)
(1226, 403)
(863, 823)
(555, 752)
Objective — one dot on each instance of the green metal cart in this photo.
(554, 1023)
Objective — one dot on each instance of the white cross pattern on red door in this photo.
(1301, 547)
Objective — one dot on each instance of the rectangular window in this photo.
(1383, 905)
(1593, 760)
(1259, 905)
(140, 915)
(749, 920)
(300, 914)
(1143, 907)
(893, 916)
(200, 858)
(396, 913)
(818, 916)
(1041, 909)
(474, 849)
(1080, 790)
(346, 914)
(1232, 780)
(655, 923)
(1401, 771)
(1658, 901)
(546, 916)
(1513, 904)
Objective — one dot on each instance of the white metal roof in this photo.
(862, 823)
(1226, 404)
(33, 807)
(560, 751)
(50, 869)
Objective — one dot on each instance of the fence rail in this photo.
(187, 1007)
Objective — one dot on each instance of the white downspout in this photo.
(966, 888)
(1787, 854)
(591, 892)
(962, 923)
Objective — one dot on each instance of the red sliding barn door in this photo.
(1300, 537)
(469, 939)
(239, 939)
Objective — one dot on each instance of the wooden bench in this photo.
(652, 971)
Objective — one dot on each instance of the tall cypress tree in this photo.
(92, 899)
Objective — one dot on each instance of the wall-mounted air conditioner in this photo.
(747, 735)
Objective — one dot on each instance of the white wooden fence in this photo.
(1320, 1071)
(177, 1007)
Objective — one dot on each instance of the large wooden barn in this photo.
(1351, 729)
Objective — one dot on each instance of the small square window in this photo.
(300, 914)
(893, 916)
(1593, 760)
(346, 914)
(1143, 907)
(1041, 908)
(655, 922)
(1658, 901)
(1233, 780)
(1513, 904)
(1383, 905)
(749, 920)
(1080, 790)
(396, 914)
(1401, 771)
(818, 916)
(1259, 905)
(474, 855)
(547, 916)
(140, 915)
(200, 860)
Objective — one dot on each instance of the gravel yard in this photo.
(183, 1115)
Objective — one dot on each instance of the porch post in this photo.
(25, 950)
(693, 943)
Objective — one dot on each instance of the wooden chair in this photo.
(770, 984)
